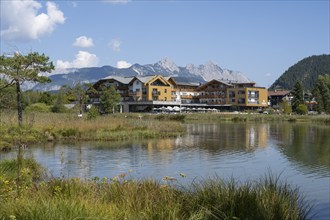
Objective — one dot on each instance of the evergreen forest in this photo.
(306, 71)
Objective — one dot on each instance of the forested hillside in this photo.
(306, 70)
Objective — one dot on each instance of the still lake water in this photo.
(299, 153)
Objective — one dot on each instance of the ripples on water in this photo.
(299, 153)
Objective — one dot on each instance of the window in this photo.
(165, 91)
(232, 94)
(241, 101)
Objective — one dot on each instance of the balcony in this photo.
(136, 93)
(186, 96)
(155, 93)
(253, 96)
(212, 96)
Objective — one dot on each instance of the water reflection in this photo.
(301, 152)
(307, 145)
(303, 144)
(227, 136)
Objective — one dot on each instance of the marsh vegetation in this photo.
(120, 197)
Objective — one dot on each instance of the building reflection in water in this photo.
(212, 138)
(236, 136)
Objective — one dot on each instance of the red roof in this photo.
(278, 93)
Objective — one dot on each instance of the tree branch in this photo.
(8, 84)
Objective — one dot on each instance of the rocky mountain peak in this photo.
(211, 66)
(168, 64)
(165, 67)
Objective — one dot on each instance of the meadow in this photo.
(43, 127)
(26, 193)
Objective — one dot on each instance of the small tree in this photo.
(19, 69)
(60, 100)
(298, 96)
(92, 113)
(109, 99)
(322, 93)
(79, 94)
(286, 107)
(302, 109)
(47, 98)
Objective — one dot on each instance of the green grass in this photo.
(228, 117)
(40, 127)
(123, 198)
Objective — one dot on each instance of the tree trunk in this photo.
(19, 104)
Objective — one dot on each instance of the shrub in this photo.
(38, 107)
(302, 109)
(286, 106)
(59, 108)
(70, 132)
(172, 117)
(93, 113)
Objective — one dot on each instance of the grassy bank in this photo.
(41, 127)
(230, 117)
(120, 198)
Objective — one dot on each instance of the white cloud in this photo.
(20, 20)
(115, 44)
(117, 1)
(83, 59)
(123, 64)
(83, 41)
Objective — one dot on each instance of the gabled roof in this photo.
(243, 83)
(187, 84)
(124, 80)
(279, 93)
(180, 83)
(215, 81)
(150, 79)
(145, 79)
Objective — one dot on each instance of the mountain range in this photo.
(165, 67)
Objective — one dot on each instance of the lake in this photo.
(297, 152)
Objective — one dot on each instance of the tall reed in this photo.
(124, 198)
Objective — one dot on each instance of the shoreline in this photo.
(52, 127)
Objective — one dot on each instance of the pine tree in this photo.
(21, 68)
(298, 96)
(109, 99)
(322, 93)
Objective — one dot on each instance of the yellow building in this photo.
(247, 95)
(150, 88)
(144, 93)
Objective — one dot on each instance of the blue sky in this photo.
(261, 39)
